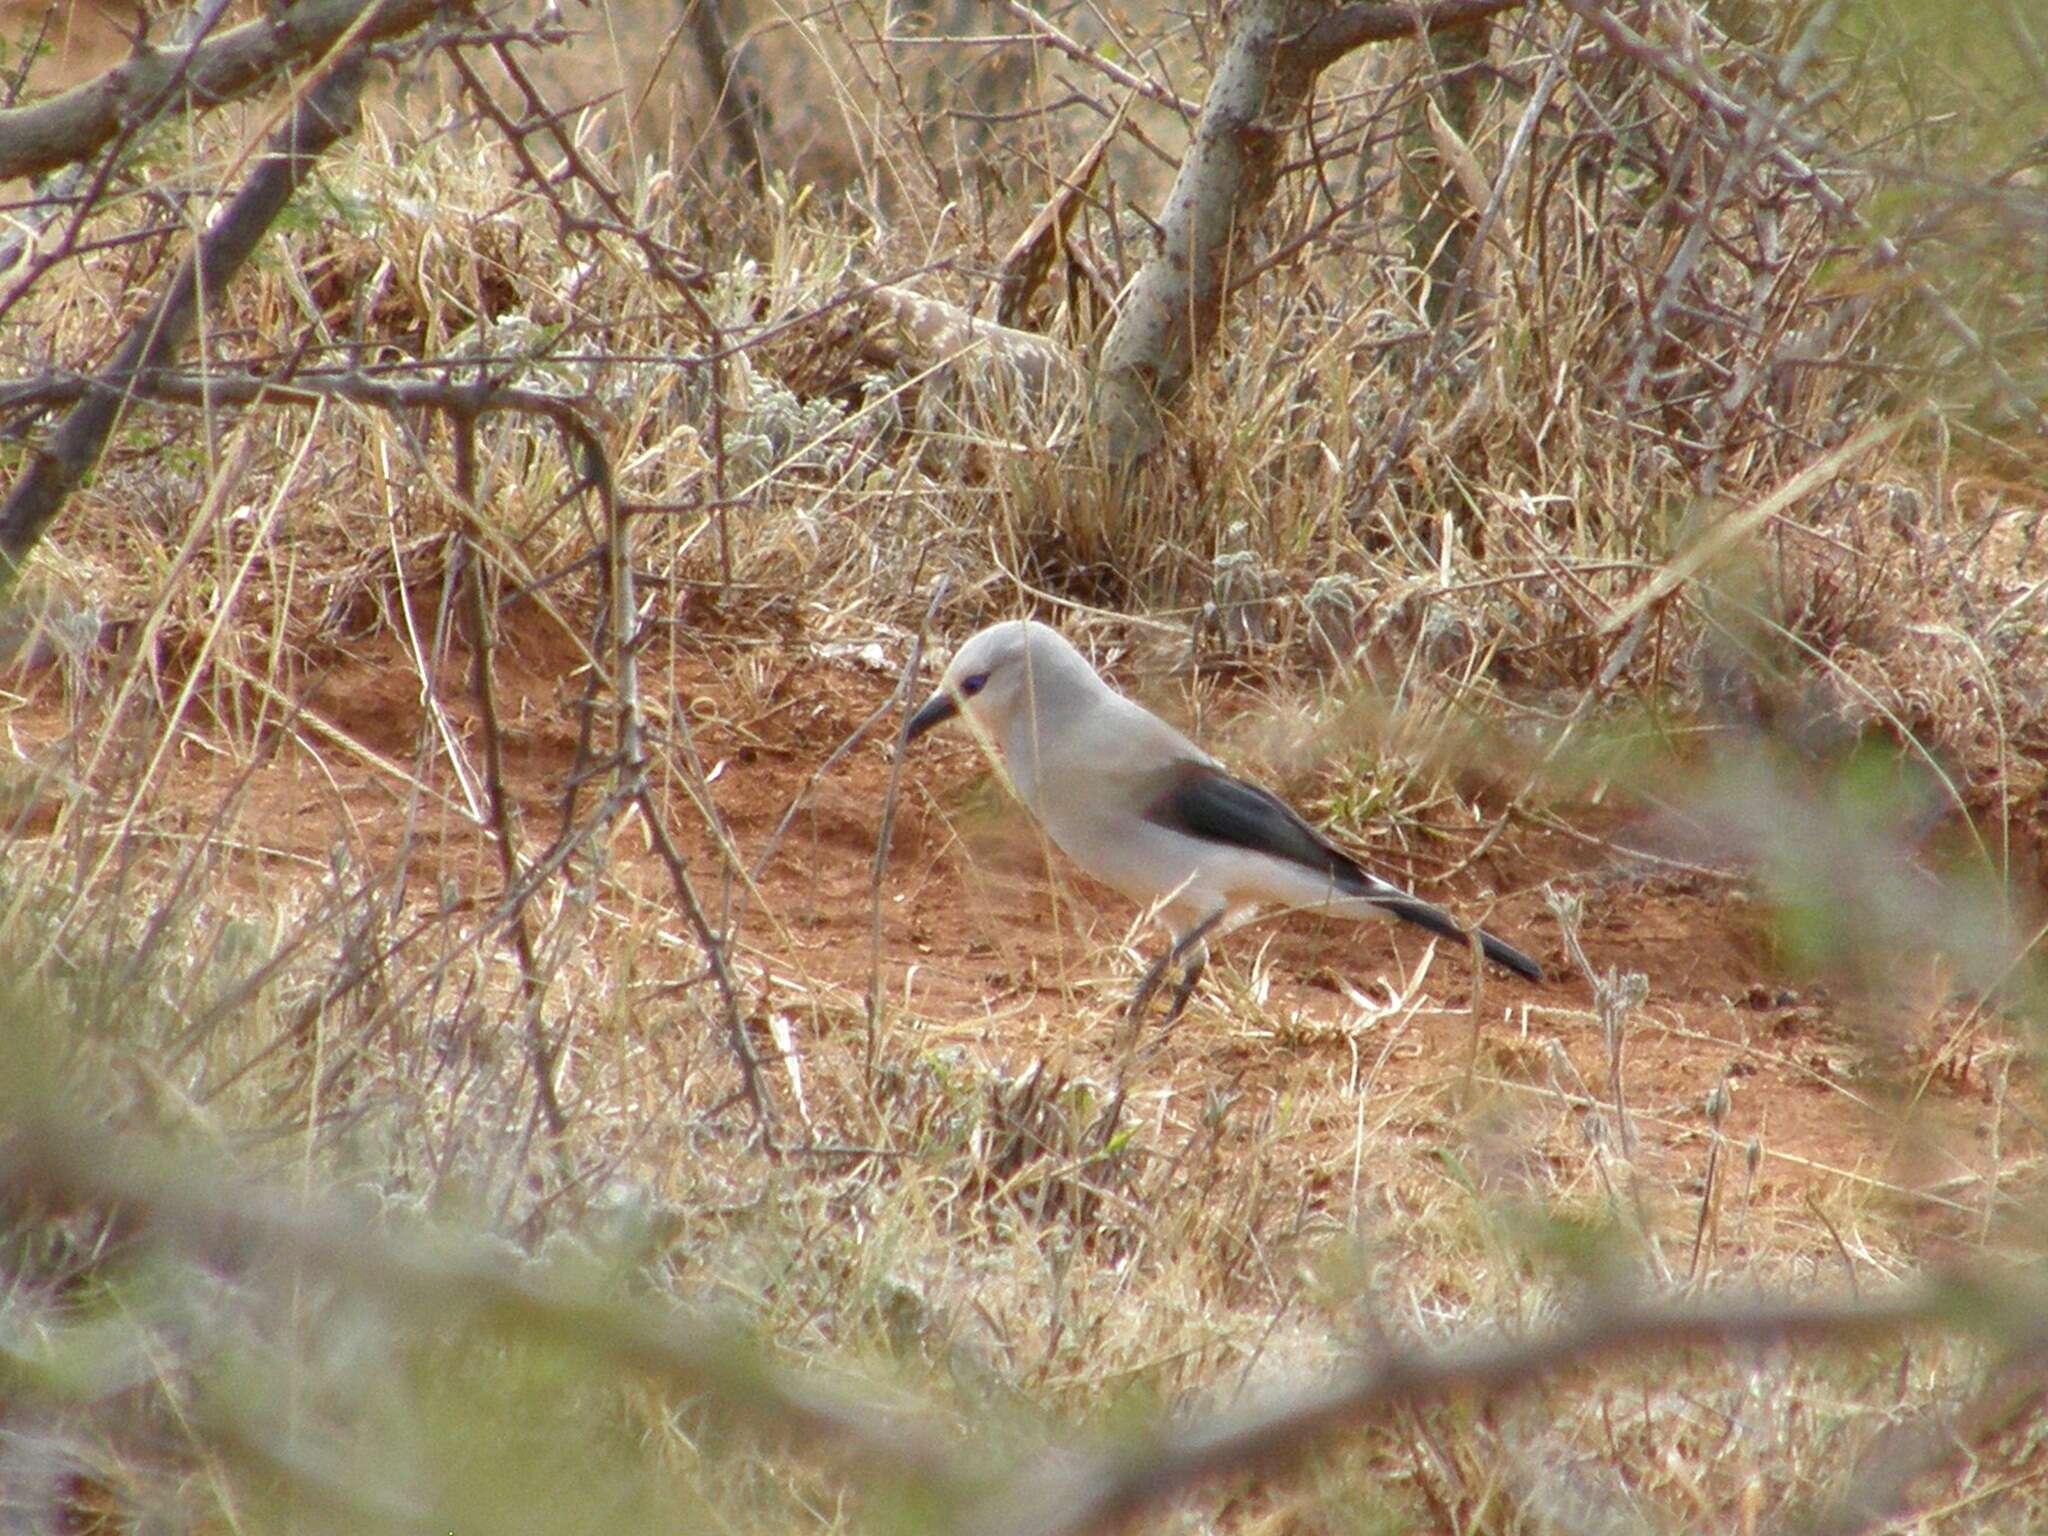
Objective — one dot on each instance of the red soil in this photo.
(988, 944)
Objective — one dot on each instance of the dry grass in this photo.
(285, 1237)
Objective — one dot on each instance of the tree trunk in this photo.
(1175, 302)
(1445, 211)
(1277, 49)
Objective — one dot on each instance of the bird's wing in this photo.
(1203, 801)
(1199, 799)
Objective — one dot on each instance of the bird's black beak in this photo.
(940, 708)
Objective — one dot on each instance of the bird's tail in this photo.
(1414, 910)
(1501, 952)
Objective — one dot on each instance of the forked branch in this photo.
(1262, 88)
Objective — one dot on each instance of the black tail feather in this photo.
(1423, 915)
(1500, 952)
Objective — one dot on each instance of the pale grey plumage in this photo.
(1140, 807)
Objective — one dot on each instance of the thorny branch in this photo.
(476, 582)
(1757, 125)
(664, 260)
(622, 624)
(474, 399)
(27, 254)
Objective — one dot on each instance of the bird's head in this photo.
(998, 674)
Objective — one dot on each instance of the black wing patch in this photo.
(1204, 801)
(1208, 803)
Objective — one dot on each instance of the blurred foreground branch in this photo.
(49, 1164)
(239, 1229)
(1074, 1494)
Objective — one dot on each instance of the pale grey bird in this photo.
(1141, 808)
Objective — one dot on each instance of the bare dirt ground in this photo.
(988, 945)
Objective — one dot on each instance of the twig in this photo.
(212, 389)
(623, 621)
(1439, 341)
(885, 833)
(1081, 53)
(504, 836)
(714, 952)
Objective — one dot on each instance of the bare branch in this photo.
(734, 109)
(715, 957)
(1070, 1495)
(1081, 53)
(40, 138)
(179, 387)
(475, 579)
(1263, 83)
(1356, 25)
(324, 114)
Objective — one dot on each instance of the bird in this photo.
(1140, 807)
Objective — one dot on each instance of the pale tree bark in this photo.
(1267, 74)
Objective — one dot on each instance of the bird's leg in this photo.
(1186, 989)
(1148, 986)
(1193, 939)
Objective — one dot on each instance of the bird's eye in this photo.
(970, 686)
